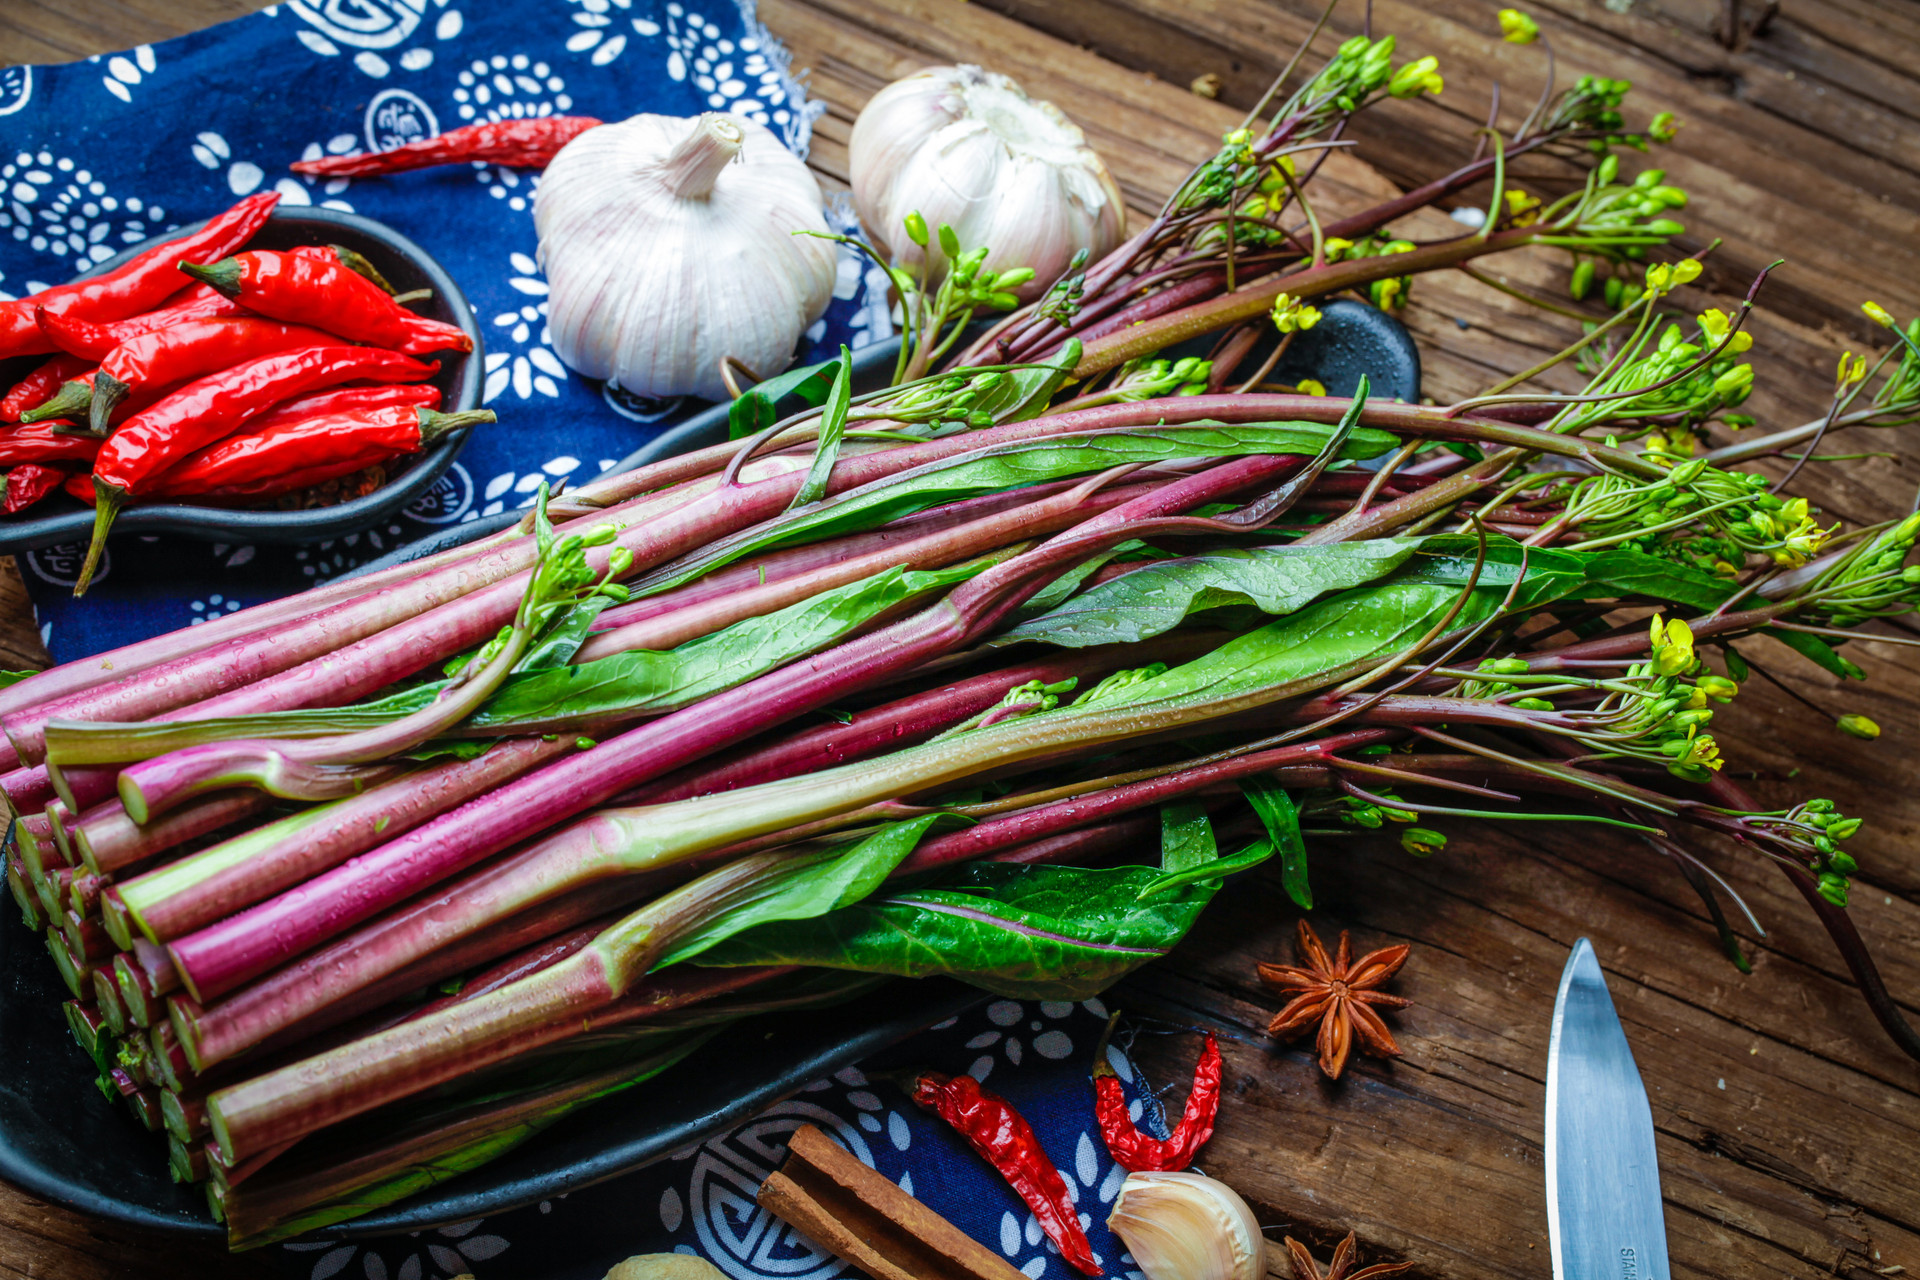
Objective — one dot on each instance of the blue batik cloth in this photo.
(1037, 1055)
(101, 154)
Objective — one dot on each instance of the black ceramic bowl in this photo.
(60, 519)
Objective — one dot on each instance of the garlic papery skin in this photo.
(670, 244)
(1187, 1226)
(969, 148)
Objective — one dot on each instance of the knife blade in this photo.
(1604, 1214)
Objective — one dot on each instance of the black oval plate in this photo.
(60, 519)
(62, 1140)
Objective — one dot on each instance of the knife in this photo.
(1604, 1216)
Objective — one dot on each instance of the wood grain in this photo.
(1787, 1125)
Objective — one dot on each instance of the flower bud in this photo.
(1844, 828)
(1857, 726)
(1419, 76)
(1878, 314)
(1581, 283)
(1517, 28)
(916, 228)
(1422, 842)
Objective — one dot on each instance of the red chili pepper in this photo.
(198, 414)
(80, 485)
(1006, 1141)
(521, 144)
(28, 483)
(40, 386)
(326, 295)
(70, 410)
(188, 350)
(420, 395)
(95, 340)
(1135, 1150)
(39, 442)
(299, 454)
(140, 285)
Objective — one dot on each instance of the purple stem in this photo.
(108, 841)
(217, 959)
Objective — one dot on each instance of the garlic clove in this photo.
(1187, 1226)
(969, 148)
(670, 244)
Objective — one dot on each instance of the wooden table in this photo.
(1789, 1127)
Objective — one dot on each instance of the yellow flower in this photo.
(1419, 76)
(1702, 753)
(1335, 246)
(1665, 277)
(1309, 387)
(1523, 207)
(1290, 315)
(1878, 314)
(1852, 368)
(1672, 643)
(1517, 28)
(1715, 323)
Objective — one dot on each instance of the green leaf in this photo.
(1029, 932)
(1625, 572)
(1186, 837)
(1251, 856)
(759, 408)
(1026, 392)
(564, 638)
(1816, 650)
(812, 885)
(1014, 465)
(1151, 601)
(1448, 559)
(14, 677)
(833, 425)
(1281, 817)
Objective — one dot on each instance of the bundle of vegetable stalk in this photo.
(994, 673)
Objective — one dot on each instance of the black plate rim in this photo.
(221, 524)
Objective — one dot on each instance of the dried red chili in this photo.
(1006, 1141)
(28, 483)
(327, 295)
(140, 285)
(1132, 1149)
(149, 443)
(40, 386)
(39, 442)
(188, 350)
(95, 339)
(301, 453)
(520, 144)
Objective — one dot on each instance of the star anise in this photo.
(1305, 1268)
(1338, 994)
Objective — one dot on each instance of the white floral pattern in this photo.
(60, 208)
(509, 87)
(376, 29)
(125, 70)
(437, 1255)
(520, 359)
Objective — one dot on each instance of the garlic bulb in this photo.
(665, 1266)
(669, 244)
(969, 148)
(1186, 1226)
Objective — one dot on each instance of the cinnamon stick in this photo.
(860, 1216)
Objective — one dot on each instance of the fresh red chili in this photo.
(94, 339)
(39, 442)
(196, 415)
(140, 285)
(1006, 1141)
(1137, 1151)
(520, 144)
(327, 295)
(301, 453)
(28, 483)
(71, 409)
(188, 350)
(40, 386)
(421, 395)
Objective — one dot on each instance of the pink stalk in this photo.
(1037, 516)
(290, 1005)
(26, 790)
(907, 721)
(292, 653)
(110, 842)
(41, 852)
(205, 886)
(254, 1116)
(218, 959)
